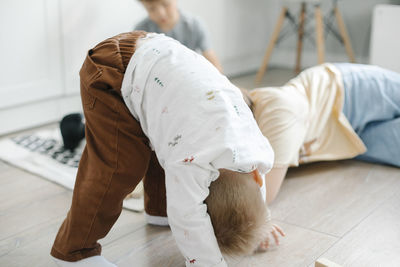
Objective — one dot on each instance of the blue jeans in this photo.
(372, 106)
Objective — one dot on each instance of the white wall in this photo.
(86, 23)
(238, 29)
(42, 46)
(241, 30)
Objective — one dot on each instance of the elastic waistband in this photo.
(127, 45)
(111, 55)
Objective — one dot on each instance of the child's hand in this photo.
(275, 230)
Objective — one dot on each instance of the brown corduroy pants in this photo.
(116, 157)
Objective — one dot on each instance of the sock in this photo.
(95, 261)
(156, 220)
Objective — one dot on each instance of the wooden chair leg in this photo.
(271, 45)
(320, 35)
(344, 35)
(300, 37)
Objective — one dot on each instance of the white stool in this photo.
(342, 36)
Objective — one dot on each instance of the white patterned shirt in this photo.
(197, 122)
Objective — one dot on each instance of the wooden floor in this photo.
(346, 211)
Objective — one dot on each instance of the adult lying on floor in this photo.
(330, 112)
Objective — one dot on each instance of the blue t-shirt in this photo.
(189, 30)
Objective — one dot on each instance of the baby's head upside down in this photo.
(237, 211)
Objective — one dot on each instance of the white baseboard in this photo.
(38, 113)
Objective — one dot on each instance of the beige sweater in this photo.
(303, 119)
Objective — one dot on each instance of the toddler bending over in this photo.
(170, 99)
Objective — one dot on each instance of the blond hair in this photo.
(237, 211)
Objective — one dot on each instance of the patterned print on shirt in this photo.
(234, 156)
(211, 94)
(164, 110)
(188, 160)
(236, 110)
(175, 141)
(158, 81)
(191, 261)
(156, 51)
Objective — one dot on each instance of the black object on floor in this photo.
(72, 129)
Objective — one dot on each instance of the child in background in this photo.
(147, 91)
(165, 17)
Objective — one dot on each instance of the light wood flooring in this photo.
(345, 211)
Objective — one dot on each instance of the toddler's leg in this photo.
(155, 204)
(372, 106)
(115, 159)
(383, 142)
(371, 94)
